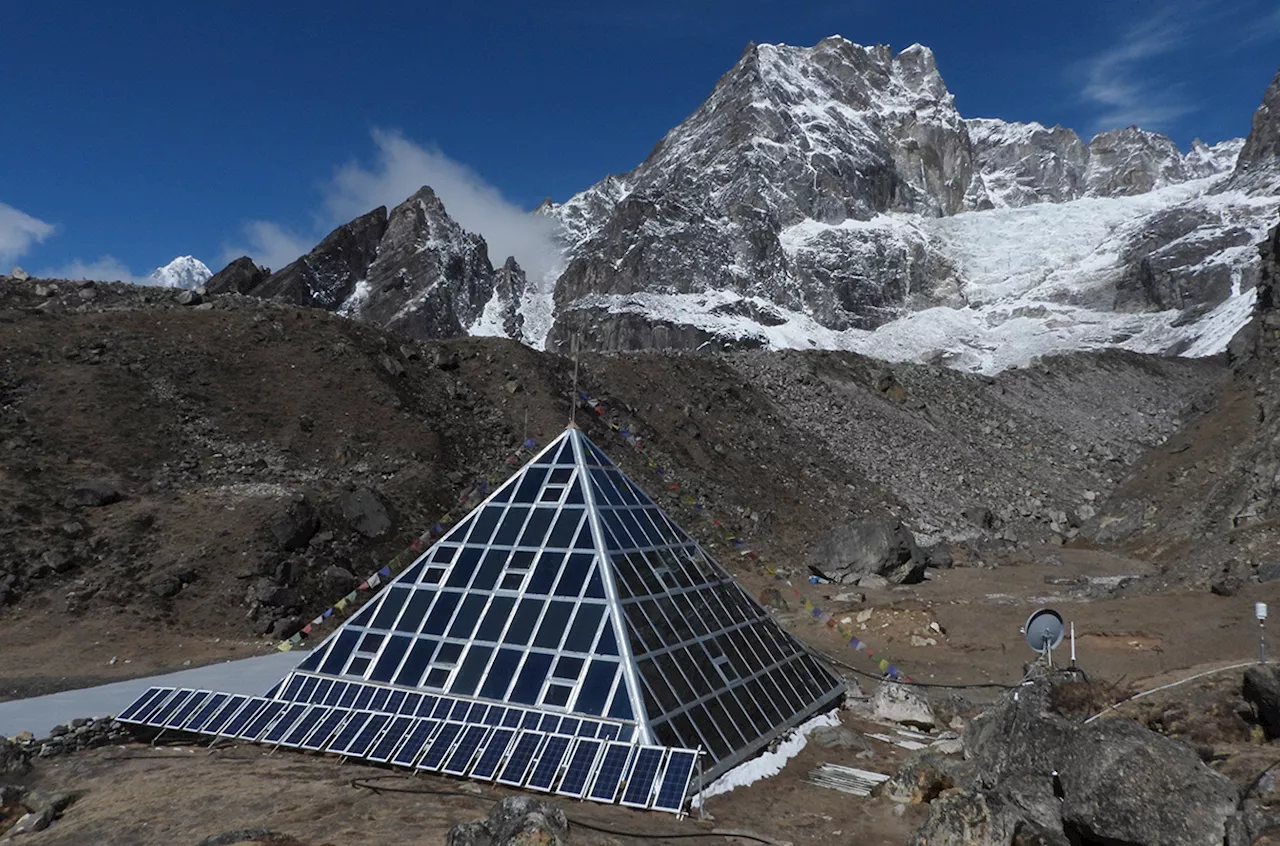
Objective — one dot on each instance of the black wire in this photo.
(364, 783)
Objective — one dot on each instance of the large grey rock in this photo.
(14, 760)
(871, 546)
(93, 494)
(1261, 689)
(19, 274)
(515, 821)
(1117, 781)
(974, 818)
(902, 703)
(365, 512)
(294, 525)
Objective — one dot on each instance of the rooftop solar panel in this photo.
(368, 735)
(440, 746)
(233, 706)
(520, 759)
(419, 736)
(236, 725)
(390, 740)
(284, 723)
(346, 735)
(464, 753)
(305, 725)
(261, 721)
(325, 729)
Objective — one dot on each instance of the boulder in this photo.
(93, 494)
(924, 777)
(365, 512)
(294, 526)
(14, 760)
(1261, 689)
(189, 297)
(19, 274)
(1122, 783)
(515, 821)
(902, 703)
(871, 546)
(972, 818)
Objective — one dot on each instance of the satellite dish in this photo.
(1044, 630)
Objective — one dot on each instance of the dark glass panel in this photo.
(574, 574)
(468, 616)
(608, 644)
(448, 653)
(706, 727)
(490, 569)
(560, 475)
(500, 674)
(438, 619)
(563, 531)
(568, 668)
(582, 631)
(390, 658)
(535, 531)
(596, 687)
(415, 611)
(595, 587)
(552, 628)
(391, 605)
(681, 686)
(486, 522)
(358, 665)
(529, 683)
(371, 642)
(468, 676)
(417, 662)
(523, 621)
(575, 493)
(464, 567)
(511, 525)
(545, 572)
(496, 618)
(530, 484)
(339, 653)
(658, 685)
(521, 560)
(620, 708)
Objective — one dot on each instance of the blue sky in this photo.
(135, 132)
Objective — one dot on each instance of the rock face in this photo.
(1129, 161)
(239, 277)
(364, 510)
(414, 270)
(1110, 781)
(515, 821)
(871, 546)
(901, 703)
(1025, 163)
(1258, 167)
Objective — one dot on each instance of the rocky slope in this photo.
(192, 464)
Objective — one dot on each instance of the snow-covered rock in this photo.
(182, 272)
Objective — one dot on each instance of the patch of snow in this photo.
(489, 324)
(356, 300)
(769, 763)
(537, 306)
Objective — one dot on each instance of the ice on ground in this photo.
(769, 763)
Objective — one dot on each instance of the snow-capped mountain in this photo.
(182, 272)
(832, 196)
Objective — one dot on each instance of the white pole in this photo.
(1073, 643)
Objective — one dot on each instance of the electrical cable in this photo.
(943, 685)
(1167, 686)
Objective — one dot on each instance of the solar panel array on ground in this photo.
(582, 759)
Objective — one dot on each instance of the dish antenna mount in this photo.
(1044, 630)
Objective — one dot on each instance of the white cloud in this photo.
(105, 269)
(269, 244)
(18, 232)
(1117, 79)
(401, 167)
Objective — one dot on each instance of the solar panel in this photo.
(284, 723)
(224, 714)
(292, 689)
(236, 725)
(578, 771)
(644, 772)
(613, 767)
(305, 725)
(521, 757)
(465, 752)
(675, 781)
(325, 730)
(492, 753)
(419, 736)
(548, 766)
(346, 735)
(180, 717)
(206, 712)
(368, 735)
(128, 714)
(390, 740)
(440, 746)
(257, 727)
(173, 704)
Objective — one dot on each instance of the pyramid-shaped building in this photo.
(565, 636)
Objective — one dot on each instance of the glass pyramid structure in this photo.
(566, 618)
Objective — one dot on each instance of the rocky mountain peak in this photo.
(182, 272)
(1257, 168)
(239, 277)
(1124, 162)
